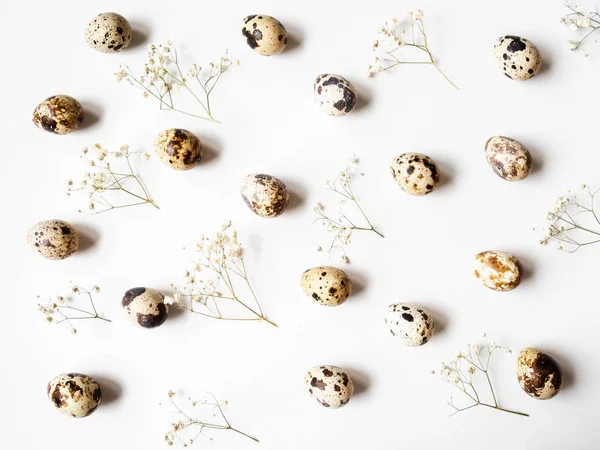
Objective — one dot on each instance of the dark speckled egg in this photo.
(74, 394)
(53, 239)
(334, 94)
(108, 33)
(145, 307)
(538, 373)
(327, 286)
(518, 57)
(265, 195)
(415, 173)
(264, 34)
(413, 325)
(508, 158)
(331, 386)
(178, 148)
(59, 114)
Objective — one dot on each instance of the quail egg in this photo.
(538, 373)
(517, 57)
(108, 33)
(74, 394)
(264, 34)
(326, 285)
(334, 94)
(416, 174)
(497, 270)
(265, 195)
(59, 114)
(508, 158)
(145, 307)
(329, 385)
(53, 239)
(178, 148)
(410, 323)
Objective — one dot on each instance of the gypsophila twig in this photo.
(586, 23)
(186, 427)
(573, 223)
(391, 39)
(110, 173)
(217, 285)
(469, 373)
(341, 226)
(163, 77)
(61, 309)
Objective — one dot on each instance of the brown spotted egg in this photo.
(53, 239)
(326, 285)
(74, 394)
(179, 149)
(415, 173)
(410, 323)
(334, 94)
(499, 271)
(329, 385)
(145, 307)
(518, 58)
(538, 373)
(108, 33)
(264, 34)
(59, 114)
(265, 195)
(508, 158)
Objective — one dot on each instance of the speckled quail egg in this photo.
(264, 34)
(334, 94)
(74, 394)
(265, 195)
(538, 373)
(145, 307)
(416, 174)
(410, 323)
(108, 33)
(508, 158)
(326, 285)
(178, 148)
(53, 239)
(517, 57)
(329, 385)
(59, 114)
(497, 270)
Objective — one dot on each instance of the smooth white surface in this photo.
(271, 125)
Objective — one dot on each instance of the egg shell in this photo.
(178, 148)
(508, 158)
(53, 239)
(265, 195)
(538, 373)
(74, 394)
(145, 307)
(499, 271)
(264, 34)
(410, 323)
(326, 285)
(334, 94)
(108, 33)
(415, 173)
(59, 114)
(518, 58)
(331, 386)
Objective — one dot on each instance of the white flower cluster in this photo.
(586, 21)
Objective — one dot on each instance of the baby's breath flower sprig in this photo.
(219, 264)
(61, 310)
(163, 75)
(183, 422)
(468, 370)
(391, 38)
(586, 21)
(342, 227)
(102, 180)
(573, 224)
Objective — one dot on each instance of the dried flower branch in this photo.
(342, 227)
(571, 223)
(183, 421)
(588, 21)
(66, 312)
(391, 39)
(219, 263)
(163, 76)
(463, 371)
(104, 179)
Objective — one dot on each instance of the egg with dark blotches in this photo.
(538, 373)
(178, 148)
(265, 195)
(499, 271)
(264, 34)
(74, 394)
(145, 307)
(59, 114)
(326, 285)
(334, 94)
(53, 239)
(518, 58)
(415, 173)
(108, 33)
(508, 158)
(331, 386)
(413, 325)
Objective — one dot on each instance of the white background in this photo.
(271, 125)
